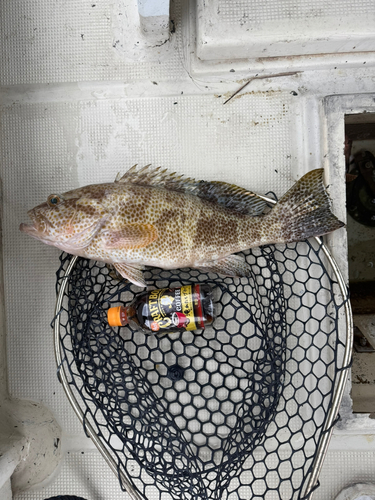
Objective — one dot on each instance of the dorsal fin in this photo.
(159, 177)
(226, 195)
(232, 197)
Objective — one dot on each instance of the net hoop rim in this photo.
(321, 452)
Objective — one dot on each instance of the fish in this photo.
(150, 217)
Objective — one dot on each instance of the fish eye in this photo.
(53, 199)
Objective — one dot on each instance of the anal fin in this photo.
(232, 265)
(131, 272)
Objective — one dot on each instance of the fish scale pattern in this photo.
(236, 411)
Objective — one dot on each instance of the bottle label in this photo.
(178, 308)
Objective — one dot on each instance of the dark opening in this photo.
(360, 197)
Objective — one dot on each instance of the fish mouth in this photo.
(29, 229)
(38, 227)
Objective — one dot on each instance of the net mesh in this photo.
(236, 411)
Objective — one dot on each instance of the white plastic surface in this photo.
(251, 29)
(85, 96)
(80, 41)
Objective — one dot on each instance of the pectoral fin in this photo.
(131, 273)
(130, 236)
(232, 265)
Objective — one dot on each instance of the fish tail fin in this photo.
(304, 211)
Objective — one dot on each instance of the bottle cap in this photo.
(116, 316)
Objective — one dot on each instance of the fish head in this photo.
(66, 221)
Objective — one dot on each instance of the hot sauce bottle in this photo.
(167, 310)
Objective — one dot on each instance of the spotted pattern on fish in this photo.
(150, 217)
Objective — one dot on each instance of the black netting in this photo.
(65, 497)
(234, 412)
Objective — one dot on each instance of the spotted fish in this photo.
(150, 217)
